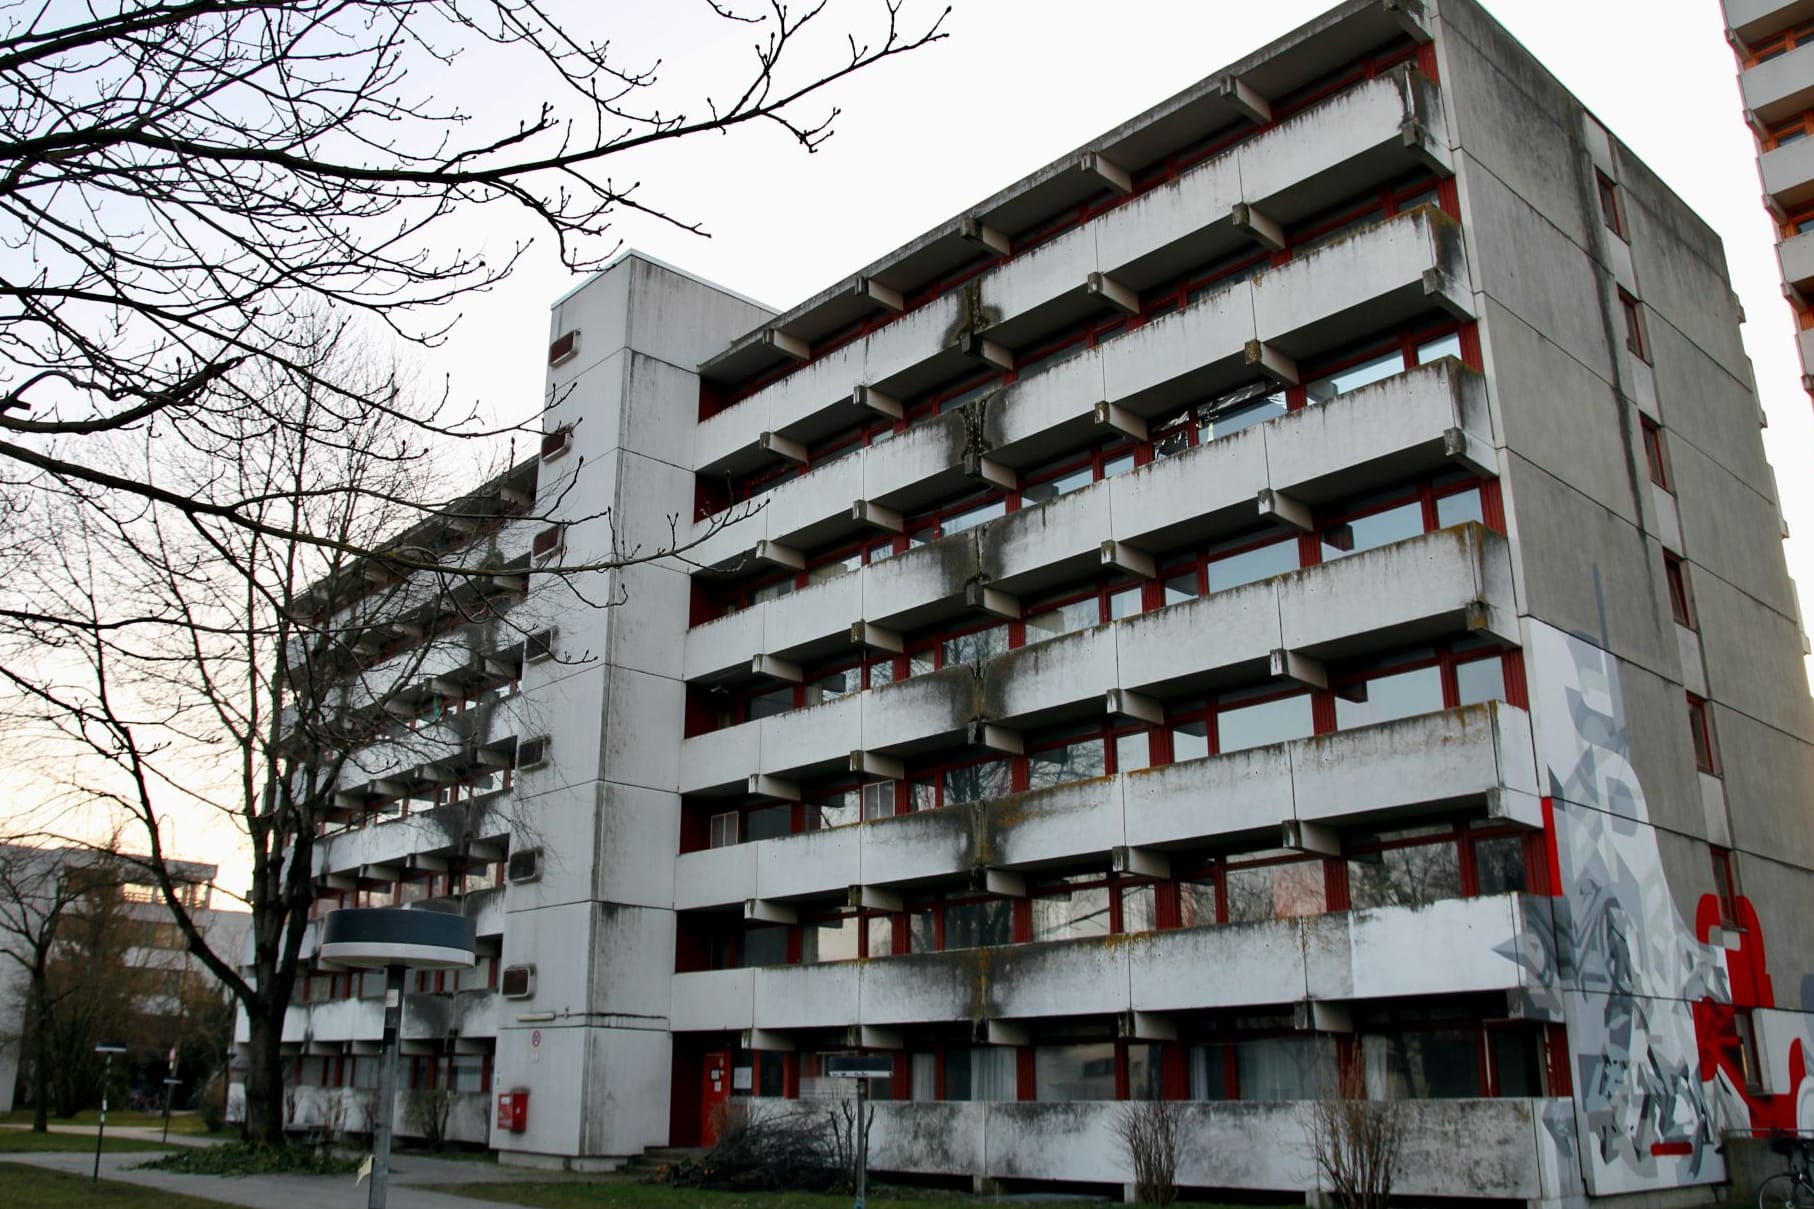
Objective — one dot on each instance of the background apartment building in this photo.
(1291, 591)
(1774, 42)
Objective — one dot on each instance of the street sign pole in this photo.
(862, 1146)
(862, 1068)
(106, 1083)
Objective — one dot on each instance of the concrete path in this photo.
(414, 1179)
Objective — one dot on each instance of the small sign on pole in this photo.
(862, 1068)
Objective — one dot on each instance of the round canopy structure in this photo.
(375, 937)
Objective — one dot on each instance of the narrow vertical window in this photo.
(1681, 605)
(1725, 885)
(1654, 460)
(1609, 205)
(1700, 729)
(1634, 325)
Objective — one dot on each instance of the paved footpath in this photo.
(414, 1179)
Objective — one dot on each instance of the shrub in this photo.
(1149, 1130)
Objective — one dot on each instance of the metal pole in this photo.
(387, 1087)
(106, 1082)
(862, 1141)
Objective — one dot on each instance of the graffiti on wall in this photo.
(1650, 999)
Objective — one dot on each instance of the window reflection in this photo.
(1354, 377)
(1388, 698)
(1263, 723)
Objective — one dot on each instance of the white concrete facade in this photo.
(1290, 591)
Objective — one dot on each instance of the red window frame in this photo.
(1611, 212)
(1789, 130)
(1654, 460)
(1700, 731)
(1633, 311)
(1681, 603)
(1767, 48)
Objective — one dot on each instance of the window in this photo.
(1634, 325)
(1264, 1068)
(1700, 730)
(1681, 605)
(1725, 886)
(1784, 133)
(1654, 461)
(1609, 205)
(986, 1072)
(1074, 1072)
(725, 829)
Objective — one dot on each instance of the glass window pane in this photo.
(1442, 346)
(1480, 680)
(1517, 1064)
(1462, 506)
(1209, 1071)
(1433, 1064)
(1275, 891)
(972, 517)
(923, 795)
(1144, 1073)
(1124, 603)
(1499, 864)
(1231, 571)
(1181, 587)
(1285, 1068)
(1139, 908)
(1078, 761)
(975, 925)
(881, 672)
(833, 685)
(829, 940)
(1387, 698)
(1246, 415)
(1190, 741)
(1404, 877)
(839, 810)
(976, 647)
(919, 663)
(1355, 376)
(1133, 752)
(1063, 484)
(978, 782)
(765, 946)
(1371, 532)
(1197, 904)
(980, 1073)
(881, 935)
(1071, 914)
(922, 930)
(1077, 615)
(1267, 722)
(1120, 464)
(767, 705)
(768, 822)
(1074, 1072)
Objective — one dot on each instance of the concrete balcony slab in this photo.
(1366, 282)
(1055, 543)
(1788, 173)
(1797, 256)
(807, 996)
(715, 876)
(712, 1001)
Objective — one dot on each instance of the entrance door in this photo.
(714, 1090)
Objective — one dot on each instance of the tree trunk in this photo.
(264, 1075)
(40, 1060)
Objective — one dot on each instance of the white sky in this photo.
(1021, 82)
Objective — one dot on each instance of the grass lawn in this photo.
(34, 1188)
(20, 1141)
(624, 1194)
(180, 1122)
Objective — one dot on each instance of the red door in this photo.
(714, 1090)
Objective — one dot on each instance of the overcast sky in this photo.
(1021, 82)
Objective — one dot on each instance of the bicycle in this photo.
(1791, 1189)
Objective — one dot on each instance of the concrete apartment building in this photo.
(159, 960)
(1288, 596)
(1774, 42)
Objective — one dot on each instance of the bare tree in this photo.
(1149, 1131)
(1355, 1143)
(58, 927)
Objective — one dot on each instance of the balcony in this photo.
(1340, 956)
(1797, 256)
(1379, 277)
(1752, 20)
(1788, 173)
(1781, 87)
(1243, 1144)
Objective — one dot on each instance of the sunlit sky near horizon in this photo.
(1019, 83)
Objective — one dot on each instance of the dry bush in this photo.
(1357, 1144)
(1149, 1131)
(427, 1112)
(771, 1150)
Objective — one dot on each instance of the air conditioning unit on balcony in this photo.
(531, 753)
(549, 541)
(539, 645)
(524, 866)
(564, 349)
(556, 443)
(517, 982)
